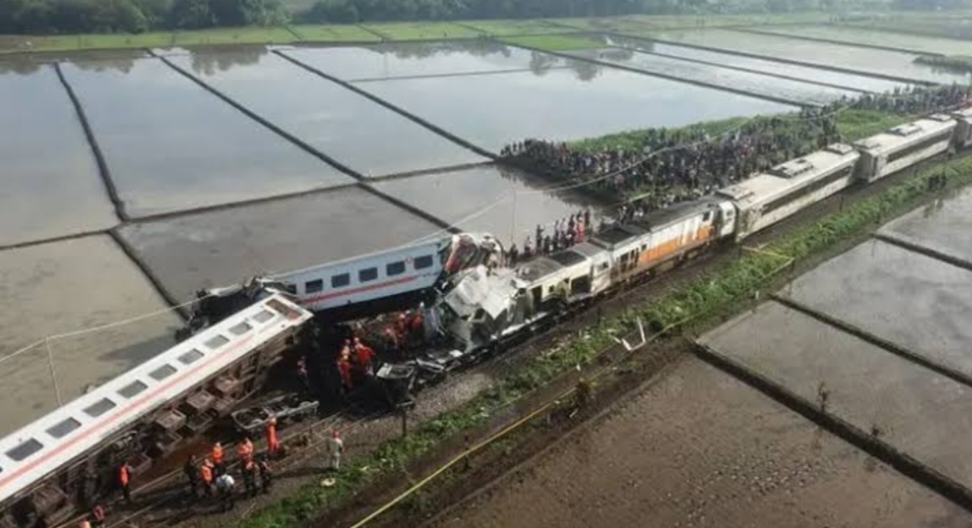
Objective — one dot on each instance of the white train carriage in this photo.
(904, 146)
(765, 199)
(359, 281)
(963, 127)
(41, 459)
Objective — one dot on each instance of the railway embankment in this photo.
(392, 466)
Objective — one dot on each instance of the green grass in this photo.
(502, 28)
(554, 42)
(853, 125)
(719, 293)
(422, 30)
(245, 35)
(249, 35)
(334, 33)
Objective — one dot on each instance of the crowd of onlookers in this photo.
(670, 165)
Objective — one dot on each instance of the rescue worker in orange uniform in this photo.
(124, 481)
(363, 356)
(273, 444)
(217, 457)
(206, 476)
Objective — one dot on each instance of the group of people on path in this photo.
(654, 168)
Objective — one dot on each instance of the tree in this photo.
(191, 14)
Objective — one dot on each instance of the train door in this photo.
(537, 294)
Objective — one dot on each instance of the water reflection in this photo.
(171, 145)
(501, 200)
(354, 130)
(50, 182)
(563, 104)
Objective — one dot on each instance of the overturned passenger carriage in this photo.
(70, 457)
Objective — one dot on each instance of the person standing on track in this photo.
(244, 450)
(335, 448)
(217, 457)
(249, 477)
(206, 475)
(124, 481)
(192, 475)
(273, 443)
(266, 474)
(227, 496)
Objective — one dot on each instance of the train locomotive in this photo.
(474, 306)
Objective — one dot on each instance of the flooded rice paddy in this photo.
(935, 226)
(231, 245)
(698, 448)
(796, 71)
(919, 412)
(866, 60)
(562, 104)
(65, 287)
(854, 35)
(49, 181)
(751, 83)
(395, 60)
(886, 290)
(172, 146)
(348, 127)
(499, 200)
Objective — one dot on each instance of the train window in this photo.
(263, 316)
(314, 286)
(241, 329)
(99, 408)
(369, 274)
(217, 342)
(190, 357)
(423, 262)
(162, 372)
(707, 216)
(132, 389)
(64, 428)
(340, 281)
(24, 450)
(395, 268)
(291, 289)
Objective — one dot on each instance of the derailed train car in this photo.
(71, 456)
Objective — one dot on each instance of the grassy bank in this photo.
(955, 63)
(554, 42)
(404, 31)
(719, 293)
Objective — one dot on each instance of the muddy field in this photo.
(698, 448)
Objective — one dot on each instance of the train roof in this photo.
(615, 234)
(906, 135)
(673, 214)
(42, 447)
(792, 175)
(963, 113)
(537, 268)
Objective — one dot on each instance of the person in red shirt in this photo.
(206, 475)
(363, 356)
(273, 443)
